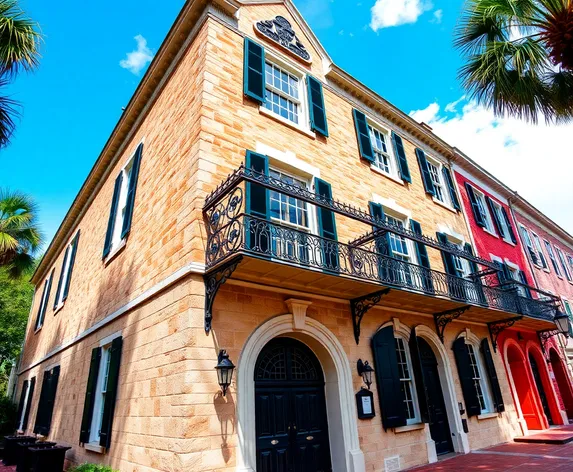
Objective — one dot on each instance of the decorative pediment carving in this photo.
(280, 31)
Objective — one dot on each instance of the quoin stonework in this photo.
(258, 202)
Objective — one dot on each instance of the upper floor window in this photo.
(570, 261)
(552, 257)
(561, 257)
(44, 301)
(568, 309)
(383, 159)
(283, 93)
(529, 245)
(537, 243)
(66, 272)
(407, 381)
(482, 208)
(436, 175)
(289, 210)
(501, 221)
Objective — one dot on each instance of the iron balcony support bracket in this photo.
(496, 327)
(213, 281)
(359, 306)
(544, 336)
(444, 318)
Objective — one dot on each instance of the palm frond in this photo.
(21, 264)
(9, 111)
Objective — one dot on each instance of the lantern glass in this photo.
(225, 370)
(562, 322)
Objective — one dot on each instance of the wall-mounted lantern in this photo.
(225, 370)
(562, 323)
(365, 370)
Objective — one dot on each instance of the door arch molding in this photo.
(345, 448)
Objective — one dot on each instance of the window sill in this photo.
(115, 252)
(37, 330)
(491, 233)
(59, 307)
(409, 427)
(487, 416)
(284, 121)
(509, 241)
(445, 205)
(388, 176)
(94, 447)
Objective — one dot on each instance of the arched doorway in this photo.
(562, 380)
(540, 388)
(290, 409)
(523, 387)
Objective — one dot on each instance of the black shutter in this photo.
(492, 375)
(524, 281)
(478, 217)
(388, 378)
(44, 300)
(327, 226)
(401, 155)
(423, 401)
(60, 280)
(257, 203)
(254, 71)
(131, 188)
(41, 411)
(72, 260)
(496, 222)
(426, 177)
(466, 375)
(316, 106)
(28, 405)
(363, 135)
(382, 242)
(21, 403)
(40, 306)
(112, 215)
(509, 226)
(47, 400)
(111, 392)
(90, 396)
(423, 259)
(447, 256)
(479, 295)
(451, 187)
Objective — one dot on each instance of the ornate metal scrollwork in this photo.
(443, 318)
(280, 31)
(496, 327)
(359, 306)
(544, 337)
(213, 281)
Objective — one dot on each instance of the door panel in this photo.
(540, 388)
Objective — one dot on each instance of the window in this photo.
(407, 381)
(24, 400)
(121, 205)
(568, 309)
(47, 400)
(44, 301)
(435, 175)
(500, 217)
(570, 261)
(383, 159)
(540, 255)
(283, 93)
(25, 403)
(529, 245)
(561, 257)
(66, 273)
(101, 390)
(514, 272)
(552, 257)
(480, 383)
(486, 216)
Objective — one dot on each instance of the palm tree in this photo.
(19, 233)
(519, 57)
(19, 50)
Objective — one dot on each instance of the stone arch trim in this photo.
(506, 345)
(346, 420)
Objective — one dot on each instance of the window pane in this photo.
(282, 95)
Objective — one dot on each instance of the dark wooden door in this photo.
(540, 389)
(439, 426)
(290, 409)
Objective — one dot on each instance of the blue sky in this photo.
(72, 102)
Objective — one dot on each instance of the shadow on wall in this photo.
(225, 409)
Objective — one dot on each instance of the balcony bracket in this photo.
(359, 306)
(444, 318)
(496, 327)
(544, 337)
(213, 281)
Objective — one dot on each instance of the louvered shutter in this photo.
(89, 400)
(509, 226)
(466, 375)
(423, 400)
(447, 256)
(28, 405)
(131, 188)
(388, 382)
(451, 187)
(425, 171)
(401, 156)
(382, 242)
(112, 215)
(317, 110)
(254, 71)
(21, 404)
(60, 280)
(479, 293)
(496, 222)
(41, 410)
(363, 135)
(327, 226)
(423, 259)
(47, 400)
(71, 268)
(257, 203)
(492, 376)
(478, 217)
(111, 392)
(524, 281)
(44, 301)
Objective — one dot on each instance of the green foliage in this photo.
(7, 416)
(91, 468)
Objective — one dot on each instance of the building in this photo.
(255, 201)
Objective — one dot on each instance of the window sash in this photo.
(407, 382)
(25, 403)
(437, 180)
(480, 382)
(382, 156)
(101, 388)
(561, 257)
(537, 248)
(66, 270)
(121, 205)
(43, 303)
(552, 257)
(292, 97)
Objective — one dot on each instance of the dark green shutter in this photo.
(382, 242)
(112, 215)
(327, 226)
(479, 295)
(423, 259)
(41, 306)
(426, 177)
(131, 188)
(401, 155)
(524, 281)
(47, 400)
(316, 106)
(388, 383)
(45, 296)
(478, 217)
(111, 392)
(451, 187)
(90, 396)
(492, 376)
(496, 222)
(21, 403)
(28, 405)
(257, 203)
(72, 260)
(363, 135)
(423, 401)
(447, 256)
(254, 71)
(465, 372)
(509, 226)
(60, 280)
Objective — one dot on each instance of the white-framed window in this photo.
(563, 262)
(514, 272)
(481, 383)
(61, 291)
(381, 145)
(568, 308)
(44, 301)
(502, 221)
(126, 173)
(549, 250)
(100, 393)
(407, 385)
(285, 92)
(436, 175)
(26, 394)
(570, 261)
(540, 255)
(484, 212)
(533, 255)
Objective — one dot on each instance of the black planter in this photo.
(10, 447)
(23, 454)
(47, 459)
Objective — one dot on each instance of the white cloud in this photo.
(534, 160)
(386, 13)
(438, 15)
(136, 60)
